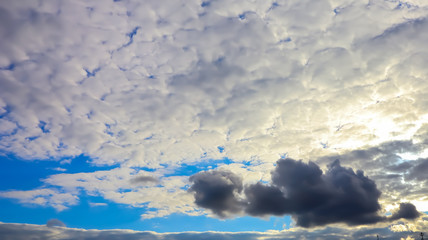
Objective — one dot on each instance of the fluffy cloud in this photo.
(155, 87)
(216, 190)
(60, 200)
(161, 83)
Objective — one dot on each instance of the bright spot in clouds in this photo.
(108, 108)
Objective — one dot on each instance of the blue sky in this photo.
(253, 119)
(18, 174)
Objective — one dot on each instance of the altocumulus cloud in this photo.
(312, 197)
(158, 84)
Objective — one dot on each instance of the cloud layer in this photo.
(147, 87)
(10, 231)
(166, 87)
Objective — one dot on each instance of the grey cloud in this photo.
(418, 171)
(384, 154)
(12, 231)
(401, 167)
(385, 163)
(406, 211)
(313, 198)
(55, 223)
(216, 190)
(265, 199)
(144, 179)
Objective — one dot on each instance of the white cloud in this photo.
(155, 83)
(92, 204)
(44, 197)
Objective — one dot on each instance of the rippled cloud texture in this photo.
(150, 89)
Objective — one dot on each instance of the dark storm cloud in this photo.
(406, 211)
(301, 189)
(314, 198)
(265, 200)
(216, 190)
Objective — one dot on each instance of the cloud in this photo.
(407, 211)
(393, 165)
(195, 77)
(418, 170)
(54, 223)
(152, 84)
(312, 197)
(58, 199)
(339, 195)
(217, 190)
(28, 231)
(144, 179)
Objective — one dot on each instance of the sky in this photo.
(213, 119)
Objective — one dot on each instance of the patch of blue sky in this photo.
(106, 215)
(23, 175)
(108, 129)
(149, 137)
(9, 67)
(14, 212)
(273, 6)
(84, 163)
(403, 5)
(6, 110)
(220, 149)
(17, 174)
(337, 10)
(32, 138)
(179, 222)
(190, 169)
(98, 217)
(43, 127)
(205, 4)
(131, 36)
(100, 213)
(285, 40)
(92, 73)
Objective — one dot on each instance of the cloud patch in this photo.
(54, 223)
(28, 231)
(217, 191)
(312, 197)
(144, 179)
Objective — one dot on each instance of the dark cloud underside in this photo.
(301, 189)
(217, 190)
